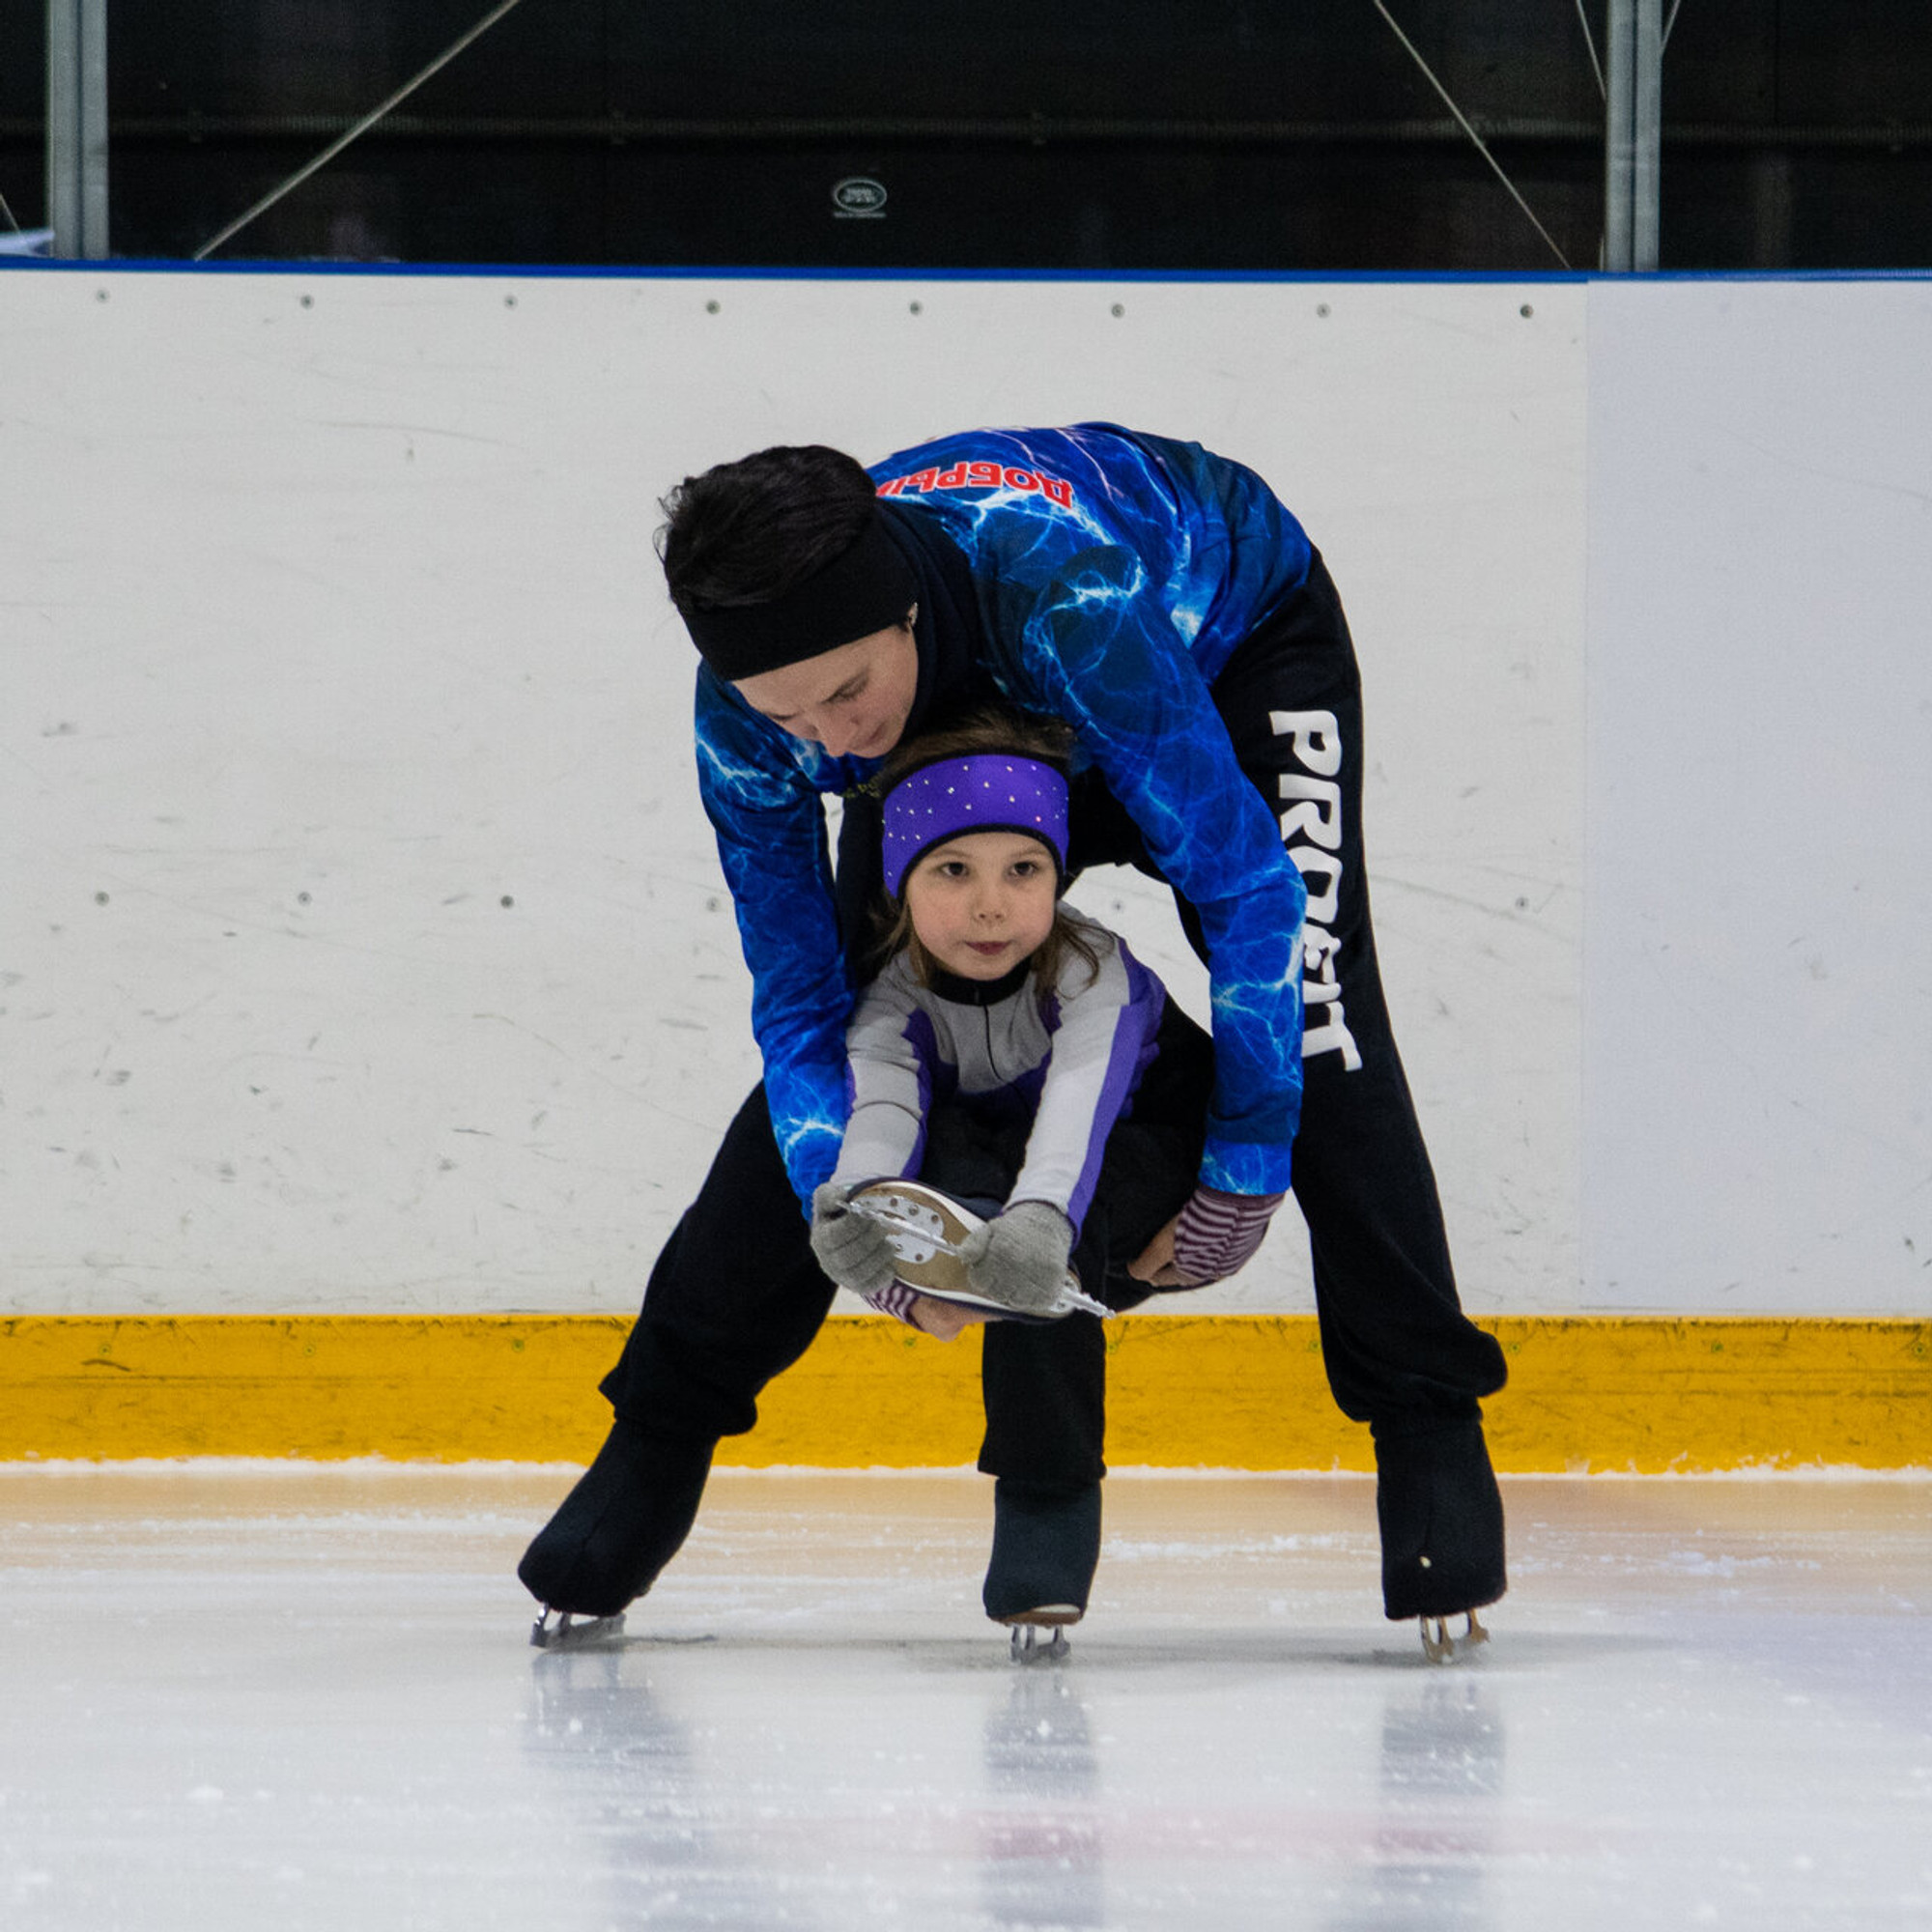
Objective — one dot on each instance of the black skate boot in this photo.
(1441, 1518)
(1047, 1544)
(625, 1519)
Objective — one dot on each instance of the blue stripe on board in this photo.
(459, 271)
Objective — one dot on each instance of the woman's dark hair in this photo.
(1051, 743)
(745, 532)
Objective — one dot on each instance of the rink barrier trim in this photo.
(1221, 1391)
(726, 272)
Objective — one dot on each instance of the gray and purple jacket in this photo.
(1068, 1062)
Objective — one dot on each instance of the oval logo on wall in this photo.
(859, 198)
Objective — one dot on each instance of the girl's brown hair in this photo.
(1046, 739)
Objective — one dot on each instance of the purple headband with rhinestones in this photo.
(987, 791)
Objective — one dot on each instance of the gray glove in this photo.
(1019, 1259)
(853, 1249)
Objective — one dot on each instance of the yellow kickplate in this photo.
(1242, 1392)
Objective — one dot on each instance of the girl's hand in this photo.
(853, 1249)
(1018, 1259)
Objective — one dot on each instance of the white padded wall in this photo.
(363, 947)
(1759, 987)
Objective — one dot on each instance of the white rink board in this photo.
(364, 945)
(1760, 1031)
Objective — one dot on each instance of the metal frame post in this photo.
(1632, 134)
(77, 127)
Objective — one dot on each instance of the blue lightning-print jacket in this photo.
(1115, 574)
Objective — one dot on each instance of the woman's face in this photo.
(853, 701)
(983, 902)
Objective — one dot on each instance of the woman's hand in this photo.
(1154, 1264)
(1217, 1233)
(943, 1320)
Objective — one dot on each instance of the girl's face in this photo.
(983, 903)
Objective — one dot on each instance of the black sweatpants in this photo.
(736, 1295)
(1396, 1345)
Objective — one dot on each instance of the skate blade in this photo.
(1441, 1647)
(926, 1230)
(1037, 1643)
(1069, 1302)
(571, 1633)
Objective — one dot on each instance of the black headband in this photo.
(866, 587)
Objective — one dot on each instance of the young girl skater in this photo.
(1018, 1059)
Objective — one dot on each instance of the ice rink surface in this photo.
(302, 1696)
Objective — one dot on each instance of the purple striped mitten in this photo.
(1219, 1232)
(895, 1302)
